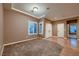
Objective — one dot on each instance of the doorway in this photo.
(60, 33)
(60, 30)
(48, 32)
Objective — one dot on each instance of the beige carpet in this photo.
(33, 48)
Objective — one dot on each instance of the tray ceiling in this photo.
(52, 11)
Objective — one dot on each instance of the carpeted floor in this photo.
(33, 48)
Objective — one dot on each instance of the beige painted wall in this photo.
(1, 27)
(55, 27)
(78, 29)
(16, 26)
(65, 24)
(45, 22)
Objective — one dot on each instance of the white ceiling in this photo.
(57, 11)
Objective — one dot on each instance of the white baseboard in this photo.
(2, 50)
(19, 41)
(23, 41)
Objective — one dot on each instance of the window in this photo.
(41, 28)
(35, 27)
(32, 27)
(72, 28)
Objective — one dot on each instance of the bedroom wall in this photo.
(60, 40)
(16, 26)
(55, 27)
(1, 27)
(47, 21)
(78, 29)
(65, 24)
(41, 35)
(44, 21)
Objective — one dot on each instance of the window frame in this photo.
(33, 28)
(42, 27)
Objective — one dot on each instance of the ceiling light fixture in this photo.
(35, 9)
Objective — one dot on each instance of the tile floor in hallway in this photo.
(42, 47)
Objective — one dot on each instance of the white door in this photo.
(60, 30)
(48, 32)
